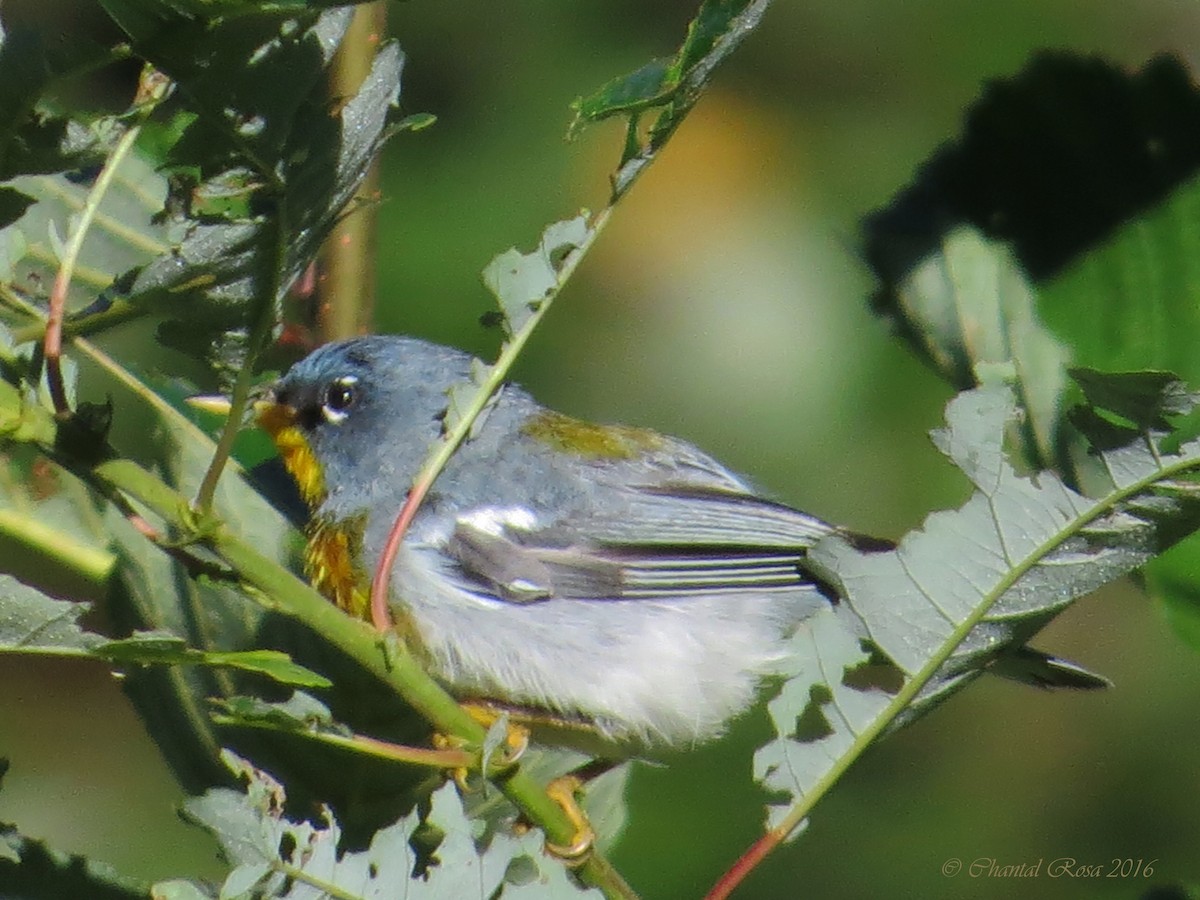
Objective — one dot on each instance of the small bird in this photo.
(603, 578)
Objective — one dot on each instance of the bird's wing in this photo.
(660, 541)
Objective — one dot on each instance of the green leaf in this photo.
(29, 868)
(962, 592)
(31, 139)
(1090, 174)
(158, 648)
(416, 122)
(300, 712)
(970, 310)
(31, 622)
(279, 858)
(178, 890)
(1143, 398)
(124, 234)
(673, 86)
(298, 163)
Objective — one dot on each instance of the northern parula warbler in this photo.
(602, 576)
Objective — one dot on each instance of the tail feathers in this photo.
(1030, 666)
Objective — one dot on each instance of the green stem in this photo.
(93, 564)
(496, 374)
(264, 321)
(390, 662)
(120, 312)
(364, 745)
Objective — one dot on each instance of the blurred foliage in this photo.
(827, 111)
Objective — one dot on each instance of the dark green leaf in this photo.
(300, 712)
(160, 648)
(32, 142)
(673, 85)
(1091, 174)
(31, 870)
(1142, 398)
(296, 163)
(646, 87)
(13, 204)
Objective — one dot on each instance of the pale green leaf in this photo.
(521, 282)
(261, 844)
(963, 591)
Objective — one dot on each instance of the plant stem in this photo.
(389, 661)
(441, 453)
(346, 287)
(62, 280)
(264, 322)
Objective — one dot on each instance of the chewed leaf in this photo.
(280, 858)
(964, 591)
(522, 281)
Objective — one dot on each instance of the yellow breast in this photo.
(330, 559)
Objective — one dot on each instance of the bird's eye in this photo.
(340, 396)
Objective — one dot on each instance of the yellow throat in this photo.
(333, 547)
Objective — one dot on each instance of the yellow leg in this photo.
(562, 791)
(517, 737)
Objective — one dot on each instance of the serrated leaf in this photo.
(259, 841)
(968, 308)
(959, 593)
(305, 159)
(1144, 399)
(1090, 172)
(31, 622)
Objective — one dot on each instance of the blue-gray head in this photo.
(354, 410)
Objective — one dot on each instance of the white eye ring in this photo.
(340, 398)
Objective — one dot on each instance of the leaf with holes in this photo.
(963, 593)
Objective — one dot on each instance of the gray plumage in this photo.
(638, 586)
(602, 575)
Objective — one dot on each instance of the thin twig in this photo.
(239, 398)
(346, 288)
(52, 342)
(441, 454)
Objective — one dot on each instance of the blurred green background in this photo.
(726, 303)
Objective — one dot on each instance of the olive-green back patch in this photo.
(589, 440)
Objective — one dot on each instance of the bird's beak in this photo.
(212, 403)
(270, 415)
